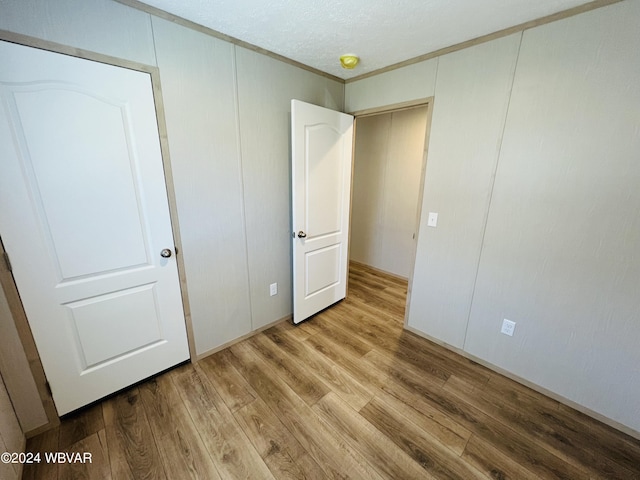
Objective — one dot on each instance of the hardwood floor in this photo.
(348, 394)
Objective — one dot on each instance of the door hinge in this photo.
(7, 261)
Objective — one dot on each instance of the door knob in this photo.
(165, 253)
(301, 234)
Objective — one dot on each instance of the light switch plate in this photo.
(433, 219)
(273, 289)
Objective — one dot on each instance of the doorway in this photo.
(389, 161)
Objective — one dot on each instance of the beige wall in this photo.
(11, 437)
(470, 105)
(560, 253)
(389, 151)
(533, 168)
(409, 83)
(227, 115)
(102, 26)
(14, 366)
(198, 82)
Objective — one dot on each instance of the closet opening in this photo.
(390, 151)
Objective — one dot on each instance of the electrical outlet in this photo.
(508, 327)
(432, 220)
(273, 289)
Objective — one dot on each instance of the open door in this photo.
(322, 147)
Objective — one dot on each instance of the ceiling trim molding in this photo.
(221, 36)
(491, 36)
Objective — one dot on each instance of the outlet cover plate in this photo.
(273, 289)
(508, 327)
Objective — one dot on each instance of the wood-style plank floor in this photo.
(347, 394)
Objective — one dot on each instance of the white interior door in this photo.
(322, 148)
(84, 219)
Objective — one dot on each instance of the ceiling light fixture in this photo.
(349, 61)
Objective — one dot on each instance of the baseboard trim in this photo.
(564, 401)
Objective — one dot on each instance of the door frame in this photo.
(391, 108)
(7, 282)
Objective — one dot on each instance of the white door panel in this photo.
(323, 180)
(323, 269)
(84, 217)
(88, 209)
(321, 185)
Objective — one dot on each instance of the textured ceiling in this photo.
(381, 32)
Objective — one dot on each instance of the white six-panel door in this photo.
(84, 217)
(322, 147)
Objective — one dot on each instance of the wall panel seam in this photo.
(382, 212)
(153, 39)
(493, 181)
(236, 93)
